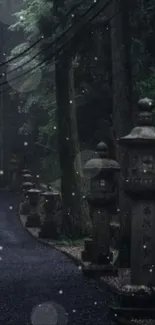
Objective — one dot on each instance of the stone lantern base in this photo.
(87, 253)
(24, 208)
(46, 230)
(135, 304)
(96, 268)
(51, 207)
(33, 221)
(33, 218)
(96, 271)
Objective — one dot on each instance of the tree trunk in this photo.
(121, 71)
(76, 220)
(122, 106)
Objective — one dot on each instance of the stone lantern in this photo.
(33, 219)
(26, 186)
(101, 197)
(24, 206)
(13, 168)
(139, 185)
(27, 178)
(51, 204)
(25, 171)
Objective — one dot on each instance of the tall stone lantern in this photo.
(139, 185)
(24, 206)
(101, 198)
(52, 200)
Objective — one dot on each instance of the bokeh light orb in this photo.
(25, 144)
(49, 313)
(26, 79)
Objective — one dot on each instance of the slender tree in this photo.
(122, 105)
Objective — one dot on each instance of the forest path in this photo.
(33, 274)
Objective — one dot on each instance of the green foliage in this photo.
(27, 19)
(63, 241)
(50, 129)
(43, 97)
(143, 51)
(25, 129)
(146, 88)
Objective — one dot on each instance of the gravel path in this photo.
(33, 274)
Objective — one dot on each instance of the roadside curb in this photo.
(44, 242)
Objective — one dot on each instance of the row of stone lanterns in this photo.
(31, 195)
(26, 183)
(139, 185)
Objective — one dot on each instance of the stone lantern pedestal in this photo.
(24, 205)
(33, 218)
(138, 296)
(14, 173)
(51, 201)
(101, 197)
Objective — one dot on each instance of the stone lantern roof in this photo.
(34, 190)
(103, 163)
(144, 132)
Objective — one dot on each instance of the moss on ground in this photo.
(69, 242)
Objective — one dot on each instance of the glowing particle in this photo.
(60, 292)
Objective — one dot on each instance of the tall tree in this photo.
(122, 104)
(76, 221)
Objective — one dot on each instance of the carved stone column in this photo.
(33, 218)
(139, 185)
(101, 198)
